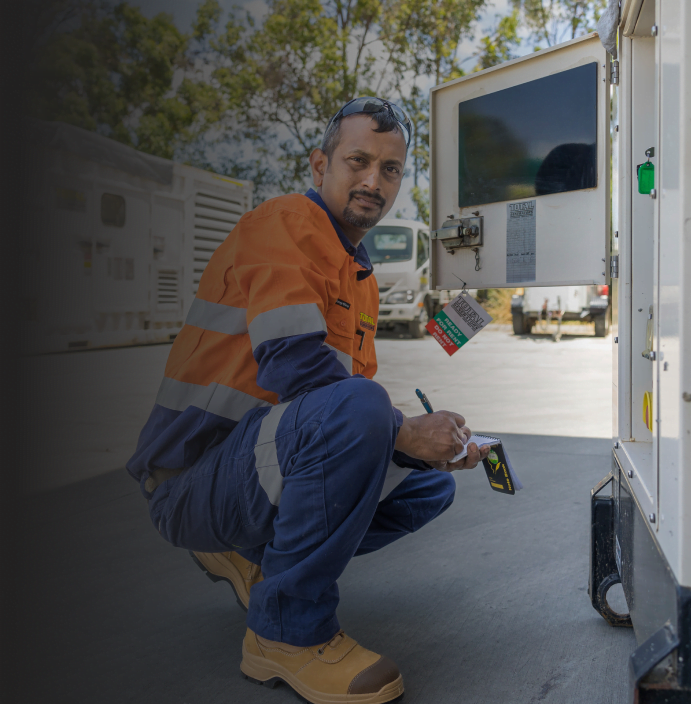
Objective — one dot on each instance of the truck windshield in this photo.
(389, 243)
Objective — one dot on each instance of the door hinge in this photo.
(614, 73)
(614, 266)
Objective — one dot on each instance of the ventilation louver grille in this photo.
(214, 218)
(168, 288)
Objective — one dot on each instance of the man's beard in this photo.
(363, 222)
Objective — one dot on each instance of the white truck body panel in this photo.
(569, 299)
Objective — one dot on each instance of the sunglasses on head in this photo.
(369, 106)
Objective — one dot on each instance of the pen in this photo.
(423, 400)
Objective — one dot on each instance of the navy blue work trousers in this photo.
(301, 488)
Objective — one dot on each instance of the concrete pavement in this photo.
(487, 604)
(92, 405)
(507, 384)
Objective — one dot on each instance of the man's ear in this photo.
(319, 163)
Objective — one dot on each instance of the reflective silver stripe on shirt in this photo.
(266, 456)
(345, 359)
(217, 317)
(394, 476)
(283, 322)
(214, 398)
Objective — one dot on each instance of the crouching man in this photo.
(270, 453)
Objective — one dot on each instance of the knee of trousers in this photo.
(438, 496)
(359, 429)
(446, 489)
(432, 494)
(360, 410)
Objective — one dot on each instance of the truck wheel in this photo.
(520, 323)
(416, 327)
(601, 325)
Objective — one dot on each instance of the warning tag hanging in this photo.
(457, 322)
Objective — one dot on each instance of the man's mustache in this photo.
(368, 194)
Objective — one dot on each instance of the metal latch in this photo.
(457, 233)
(614, 73)
(614, 266)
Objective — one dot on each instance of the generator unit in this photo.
(572, 166)
(116, 240)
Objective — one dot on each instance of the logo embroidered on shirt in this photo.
(342, 303)
(366, 321)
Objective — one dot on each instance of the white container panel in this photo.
(572, 228)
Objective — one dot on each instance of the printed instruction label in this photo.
(457, 322)
(520, 242)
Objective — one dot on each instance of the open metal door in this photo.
(520, 171)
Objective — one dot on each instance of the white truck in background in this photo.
(557, 303)
(399, 252)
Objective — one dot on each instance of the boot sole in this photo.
(219, 578)
(262, 671)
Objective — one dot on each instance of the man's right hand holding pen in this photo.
(437, 438)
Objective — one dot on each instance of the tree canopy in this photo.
(251, 98)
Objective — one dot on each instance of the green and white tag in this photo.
(457, 322)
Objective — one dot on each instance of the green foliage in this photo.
(495, 48)
(114, 67)
(251, 99)
(425, 34)
(420, 197)
(299, 67)
(554, 21)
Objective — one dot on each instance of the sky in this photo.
(183, 12)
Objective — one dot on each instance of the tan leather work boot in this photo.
(335, 672)
(230, 567)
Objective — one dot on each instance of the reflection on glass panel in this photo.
(529, 140)
(389, 243)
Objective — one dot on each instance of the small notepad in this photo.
(498, 469)
(480, 441)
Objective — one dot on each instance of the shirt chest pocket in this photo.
(340, 322)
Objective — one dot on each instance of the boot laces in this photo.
(334, 642)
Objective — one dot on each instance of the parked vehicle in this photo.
(557, 303)
(399, 251)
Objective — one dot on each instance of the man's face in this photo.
(360, 182)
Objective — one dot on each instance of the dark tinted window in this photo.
(388, 243)
(533, 139)
(112, 210)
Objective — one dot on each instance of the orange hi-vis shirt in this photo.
(285, 305)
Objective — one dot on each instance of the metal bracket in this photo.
(614, 266)
(460, 233)
(604, 570)
(614, 73)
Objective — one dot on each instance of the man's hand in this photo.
(437, 438)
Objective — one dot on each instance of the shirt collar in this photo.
(358, 253)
